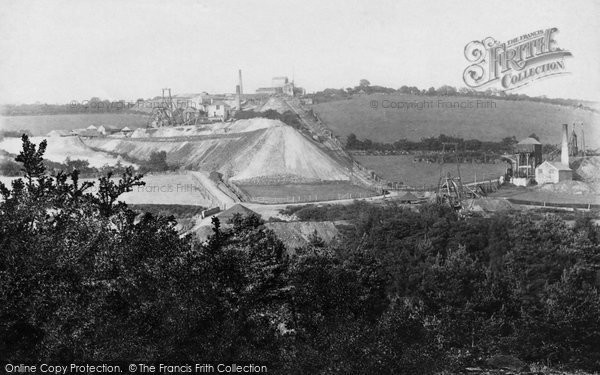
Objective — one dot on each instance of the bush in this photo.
(10, 168)
(156, 163)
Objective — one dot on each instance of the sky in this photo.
(63, 50)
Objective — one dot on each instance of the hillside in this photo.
(249, 151)
(60, 148)
(508, 118)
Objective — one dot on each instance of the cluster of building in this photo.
(92, 131)
(281, 85)
(527, 165)
(194, 108)
(221, 107)
(215, 107)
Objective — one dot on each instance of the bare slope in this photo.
(505, 118)
(588, 168)
(275, 104)
(60, 148)
(252, 151)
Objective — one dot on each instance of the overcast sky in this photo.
(57, 51)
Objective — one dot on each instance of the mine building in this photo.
(527, 166)
(554, 172)
(550, 172)
(218, 110)
(528, 155)
(281, 85)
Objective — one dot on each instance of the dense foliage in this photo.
(83, 277)
(455, 147)
(434, 144)
(520, 283)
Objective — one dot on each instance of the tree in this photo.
(509, 142)
(157, 162)
(32, 158)
(364, 83)
(404, 90)
(352, 142)
(446, 90)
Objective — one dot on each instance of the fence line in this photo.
(308, 198)
(586, 206)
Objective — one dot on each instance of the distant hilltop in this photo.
(365, 88)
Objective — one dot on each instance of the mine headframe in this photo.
(451, 190)
(168, 113)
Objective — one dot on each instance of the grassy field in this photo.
(401, 168)
(505, 118)
(42, 125)
(304, 192)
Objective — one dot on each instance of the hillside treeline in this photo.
(93, 105)
(331, 94)
(433, 144)
(86, 278)
(449, 144)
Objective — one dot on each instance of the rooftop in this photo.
(556, 164)
(529, 141)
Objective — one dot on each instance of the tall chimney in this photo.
(239, 91)
(564, 151)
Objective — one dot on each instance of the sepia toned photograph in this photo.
(300, 187)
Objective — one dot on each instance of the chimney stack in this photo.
(239, 91)
(564, 151)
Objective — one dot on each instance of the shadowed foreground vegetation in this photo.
(85, 278)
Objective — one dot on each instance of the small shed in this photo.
(407, 197)
(110, 129)
(89, 133)
(552, 172)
